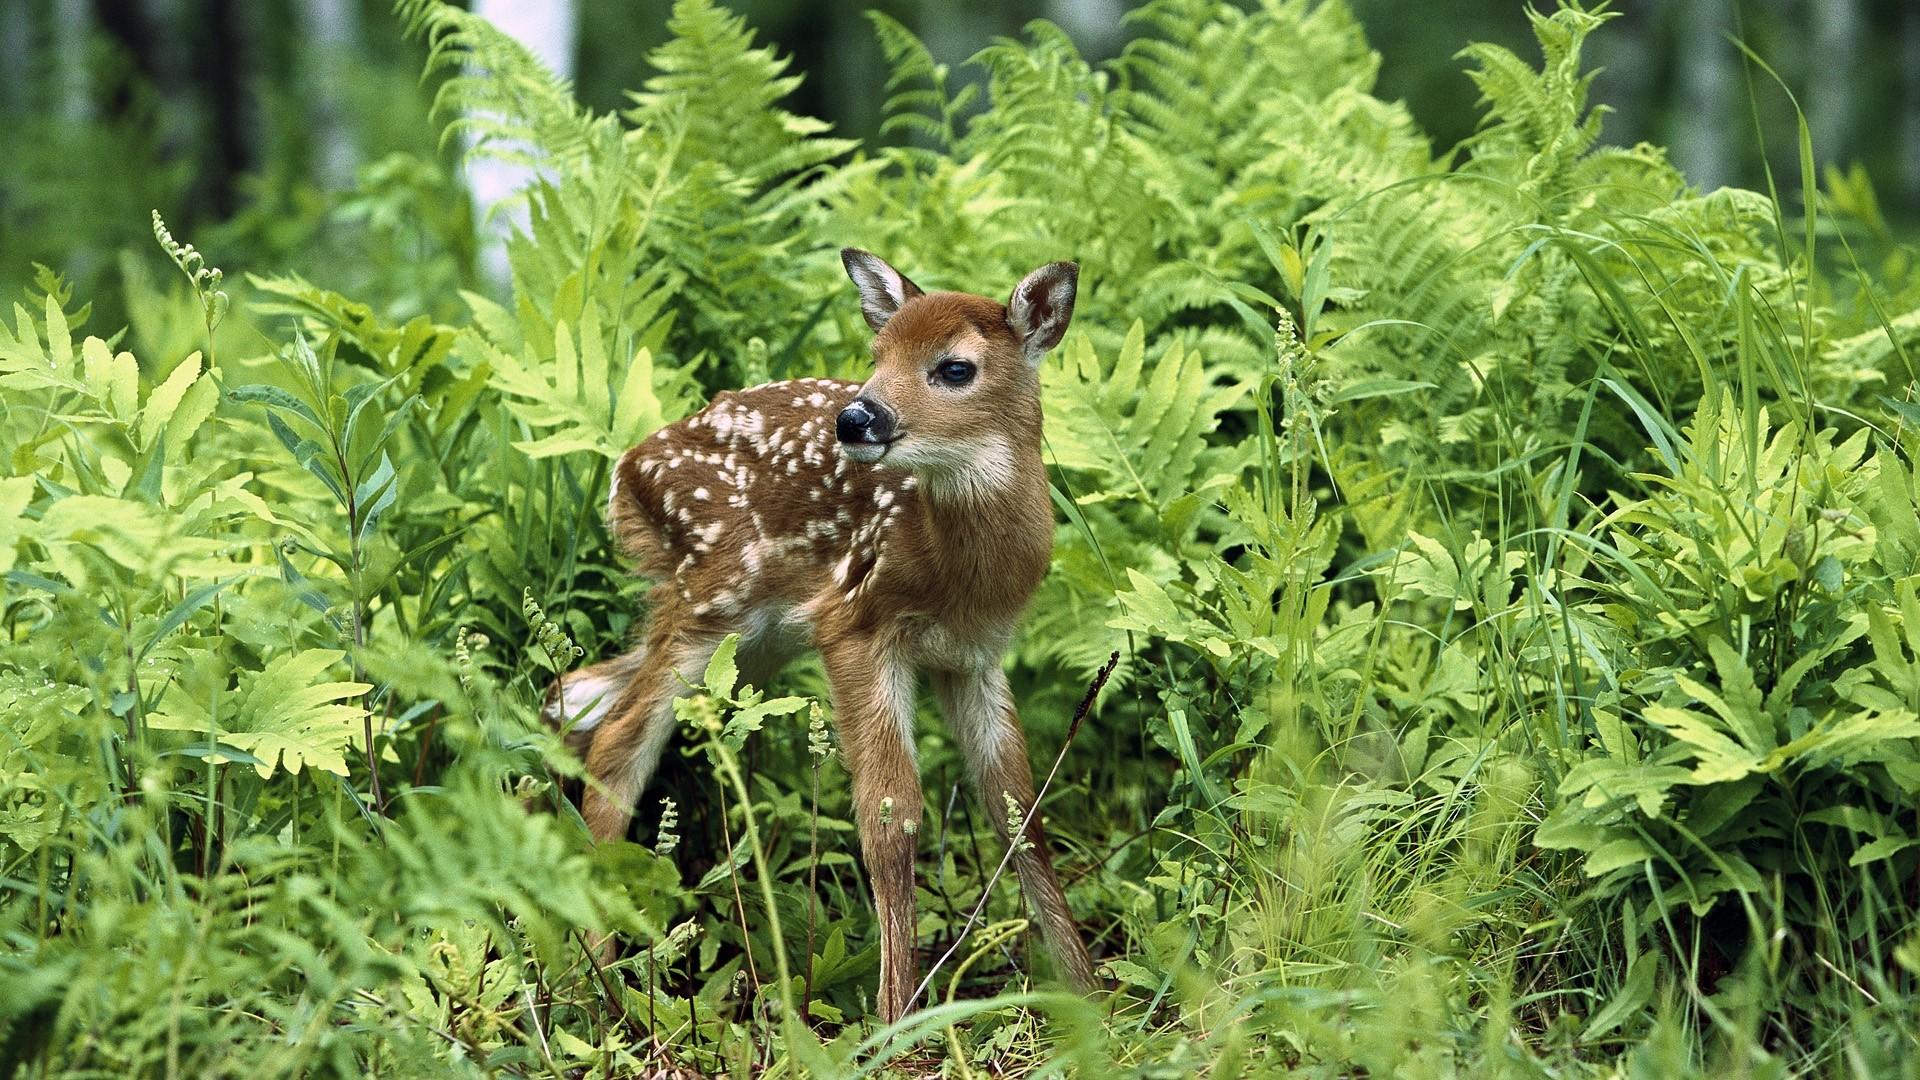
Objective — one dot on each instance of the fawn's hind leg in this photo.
(627, 744)
(622, 708)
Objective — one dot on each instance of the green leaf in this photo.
(1142, 433)
(375, 494)
(276, 398)
(195, 406)
(163, 400)
(183, 611)
(1717, 758)
(15, 493)
(1628, 1002)
(285, 716)
(748, 720)
(722, 671)
(59, 338)
(1373, 388)
(1884, 848)
(1614, 854)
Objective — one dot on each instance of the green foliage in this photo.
(1511, 551)
(1753, 724)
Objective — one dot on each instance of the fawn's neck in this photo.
(991, 526)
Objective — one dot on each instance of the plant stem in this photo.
(813, 886)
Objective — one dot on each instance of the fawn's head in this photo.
(955, 386)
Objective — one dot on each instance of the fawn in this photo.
(899, 526)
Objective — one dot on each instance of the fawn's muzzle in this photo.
(865, 423)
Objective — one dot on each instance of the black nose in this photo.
(864, 421)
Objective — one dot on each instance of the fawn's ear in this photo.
(1041, 307)
(883, 290)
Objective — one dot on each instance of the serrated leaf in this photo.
(162, 400)
(746, 721)
(1143, 432)
(96, 370)
(285, 717)
(123, 386)
(637, 411)
(195, 406)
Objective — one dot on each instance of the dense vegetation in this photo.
(1510, 553)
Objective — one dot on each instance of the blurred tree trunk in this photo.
(332, 31)
(16, 54)
(1094, 24)
(72, 24)
(550, 31)
(1910, 111)
(225, 56)
(1832, 76)
(1629, 55)
(1701, 139)
(199, 56)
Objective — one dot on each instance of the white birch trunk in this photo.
(549, 29)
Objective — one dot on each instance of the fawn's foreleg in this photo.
(980, 712)
(873, 710)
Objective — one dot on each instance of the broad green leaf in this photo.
(723, 673)
(1630, 1001)
(1884, 848)
(163, 400)
(1614, 854)
(285, 716)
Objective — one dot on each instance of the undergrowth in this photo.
(1510, 553)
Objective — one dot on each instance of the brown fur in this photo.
(754, 521)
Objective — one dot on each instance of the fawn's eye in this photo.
(955, 372)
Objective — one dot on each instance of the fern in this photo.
(579, 399)
(282, 716)
(1141, 433)
(1550, 556)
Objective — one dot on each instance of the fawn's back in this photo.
(753, 510)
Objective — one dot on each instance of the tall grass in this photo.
(1509, 553)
